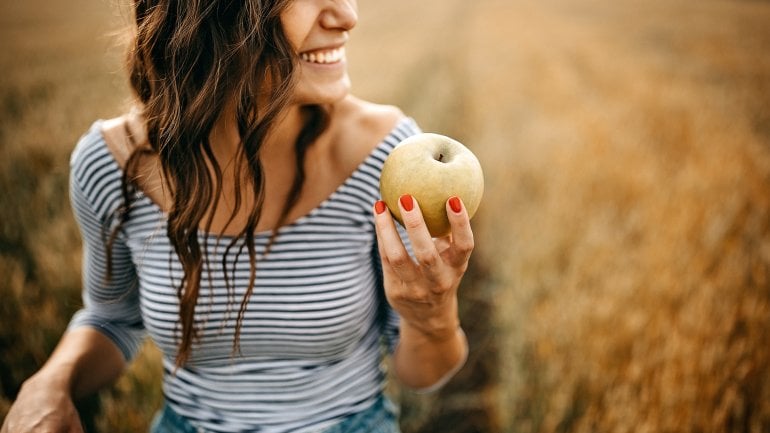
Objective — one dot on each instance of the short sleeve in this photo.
(110, 305)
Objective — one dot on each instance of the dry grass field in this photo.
(621, 281)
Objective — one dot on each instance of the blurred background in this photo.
(621, 280)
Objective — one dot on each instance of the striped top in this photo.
(313, 330)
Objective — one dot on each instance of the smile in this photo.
(324, 56)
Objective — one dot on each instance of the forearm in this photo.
(84, 361)
(422, 288)
(424, 361)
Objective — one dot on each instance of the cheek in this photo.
(294, 39)
(297, 21)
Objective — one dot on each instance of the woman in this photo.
(234, 218)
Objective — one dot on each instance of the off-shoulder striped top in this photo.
(315, 326)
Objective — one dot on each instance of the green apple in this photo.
(432, 168)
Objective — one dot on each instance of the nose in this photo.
(340, 14)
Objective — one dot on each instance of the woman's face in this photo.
(318, 31)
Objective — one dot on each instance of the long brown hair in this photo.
(189, 61)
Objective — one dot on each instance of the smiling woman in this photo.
(233, 217)
(323, 67)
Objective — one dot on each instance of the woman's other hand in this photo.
(44, 405)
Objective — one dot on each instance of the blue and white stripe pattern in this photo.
(312, 331)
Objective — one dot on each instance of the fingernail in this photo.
(455, 205)
(406, 202)
(379, 207)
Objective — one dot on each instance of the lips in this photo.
(323, 56)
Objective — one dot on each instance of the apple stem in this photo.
(440, 157)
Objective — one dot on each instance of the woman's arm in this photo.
(426, 362)
(84, 361)
(432, 346)
(108, 330)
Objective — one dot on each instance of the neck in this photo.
(278, 144)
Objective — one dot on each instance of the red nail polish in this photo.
(406, 202)
(455, 205)
(379, 207)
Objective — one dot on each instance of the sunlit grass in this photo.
(622, 271)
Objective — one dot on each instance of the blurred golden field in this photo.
(621, 281)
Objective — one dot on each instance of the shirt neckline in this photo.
(97, 127)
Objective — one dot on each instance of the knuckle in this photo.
(467, 248)
(427, 259)
(398, 259)
(412, 223)
(465, 245)
(442, 288)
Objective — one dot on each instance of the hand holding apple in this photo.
(432, 185)
(432, 168)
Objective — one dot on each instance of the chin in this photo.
(322, 95)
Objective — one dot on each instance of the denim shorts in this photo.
(380, 417)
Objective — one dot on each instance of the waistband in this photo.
(380, 417)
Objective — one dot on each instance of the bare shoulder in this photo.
(358, 126)
(123, 135)
(375, 119)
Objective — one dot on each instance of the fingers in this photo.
(462, 236)
(392, 250)
(422, 243)
(432, 255)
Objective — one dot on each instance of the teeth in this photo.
(330, 56)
